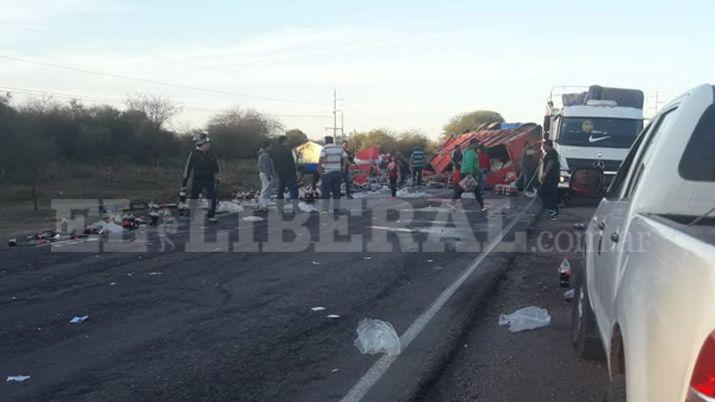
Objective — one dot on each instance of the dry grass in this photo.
(125, 182)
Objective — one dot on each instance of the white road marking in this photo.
(378, 369)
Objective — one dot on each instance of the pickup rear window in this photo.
(698, 161)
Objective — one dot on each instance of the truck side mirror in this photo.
(547, 123)
(587, 181)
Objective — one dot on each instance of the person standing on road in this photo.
(470, 167)
(393, 173)
(550, 179)
(529, 164)
(456, 158)
(266, 171)
(347, 176)
(332, 165)
(485, 165)
(404, 169)
(417, 159)
(285, 168)
(202, 166)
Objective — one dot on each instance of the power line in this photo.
(134, 50)
(122, 102)
(154, 82)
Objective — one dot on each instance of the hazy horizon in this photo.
(395, 65)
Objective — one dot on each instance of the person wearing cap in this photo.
(202, 166)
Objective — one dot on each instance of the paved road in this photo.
(495, 365)
(176, 325)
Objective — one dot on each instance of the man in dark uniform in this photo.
(347, 176)
(550, 179)
(202, 166)
(285, 168)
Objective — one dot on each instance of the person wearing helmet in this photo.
(203, 168)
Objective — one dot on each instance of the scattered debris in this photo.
(253, 218)
(376, 336)
(531, 317)
(407, 193)
(565, 273)
(569, 294)
(319, 308)
(305, 207)
(17, 378)
(332, 316)
(79, 319)
(228, 207)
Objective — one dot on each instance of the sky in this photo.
(399, 65)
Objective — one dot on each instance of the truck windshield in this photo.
(599, 132)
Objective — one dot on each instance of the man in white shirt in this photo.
(332, 163)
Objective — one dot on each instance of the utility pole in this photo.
(335, 113)
(335, 127)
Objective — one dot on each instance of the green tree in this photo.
(295, 137)
(381, 138)
(470, 121)
(237, 134)
(410, 139)
(33, 154)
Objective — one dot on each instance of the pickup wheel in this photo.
(584, 332)
(616, 389)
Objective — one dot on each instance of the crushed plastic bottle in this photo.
(565, 273)
(376, 336)
(531, 317)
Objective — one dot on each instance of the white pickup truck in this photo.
(647, 294)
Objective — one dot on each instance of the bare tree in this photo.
(158, 110)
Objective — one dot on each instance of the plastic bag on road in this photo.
(531, 317)
(375, 336)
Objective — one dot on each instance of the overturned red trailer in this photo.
(504, 147)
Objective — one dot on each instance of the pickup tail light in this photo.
(702, 384)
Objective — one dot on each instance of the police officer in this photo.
(202, 166)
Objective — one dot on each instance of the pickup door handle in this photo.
(601, 225)
(614, 237)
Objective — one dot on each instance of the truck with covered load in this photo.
(592, 127)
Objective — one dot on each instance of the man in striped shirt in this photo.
(417, 159)
(333, 160)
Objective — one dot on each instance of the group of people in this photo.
(277, 164)
(475, 162)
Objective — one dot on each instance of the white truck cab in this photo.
(646, 295)
(593, 128)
